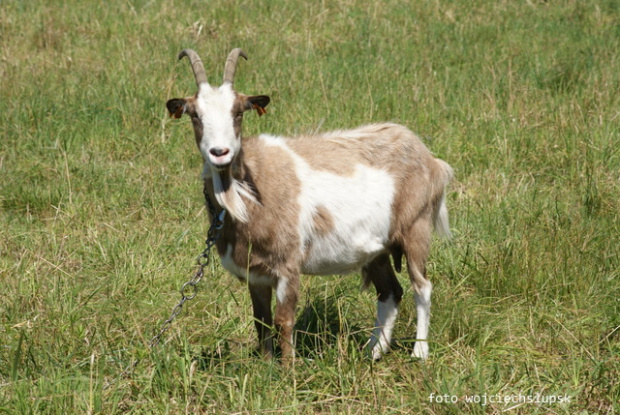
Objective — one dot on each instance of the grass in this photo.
(101, 214)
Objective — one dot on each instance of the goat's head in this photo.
(216, 112)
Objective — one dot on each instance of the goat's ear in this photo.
(176, 107)
(258, 102)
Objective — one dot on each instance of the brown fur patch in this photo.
(237, 114)
(322, 221)
(384, 146)
(324, 155)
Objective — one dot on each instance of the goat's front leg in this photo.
(261, 304)
(287, 293)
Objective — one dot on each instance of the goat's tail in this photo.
(440, 216)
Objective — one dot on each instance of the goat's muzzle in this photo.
(220, 157)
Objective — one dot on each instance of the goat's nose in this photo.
(219, 151)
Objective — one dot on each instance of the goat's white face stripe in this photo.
(361, 208)
(215, 109)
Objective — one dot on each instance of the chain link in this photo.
(189, 290)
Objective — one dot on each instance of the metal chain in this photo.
(202, 261)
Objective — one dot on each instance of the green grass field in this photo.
(101, 210)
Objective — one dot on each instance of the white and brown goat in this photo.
(319, 204)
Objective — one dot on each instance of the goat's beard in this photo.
(228, 192)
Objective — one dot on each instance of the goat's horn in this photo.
(197, 67)
(231, 64)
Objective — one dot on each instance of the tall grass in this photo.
(101, 213)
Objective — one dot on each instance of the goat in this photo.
(319, 204)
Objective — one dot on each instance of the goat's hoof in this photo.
(377, 354)
(420, 350)
(375, 349)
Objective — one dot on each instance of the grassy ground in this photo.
(101, 214)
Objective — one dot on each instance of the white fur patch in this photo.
(282, 289)
(379, 342)
(423, 310)
(360, 206)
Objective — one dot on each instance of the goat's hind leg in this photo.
(422, 295)
(416, 255)
(389, 294)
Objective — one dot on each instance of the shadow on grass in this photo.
(321, 326)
